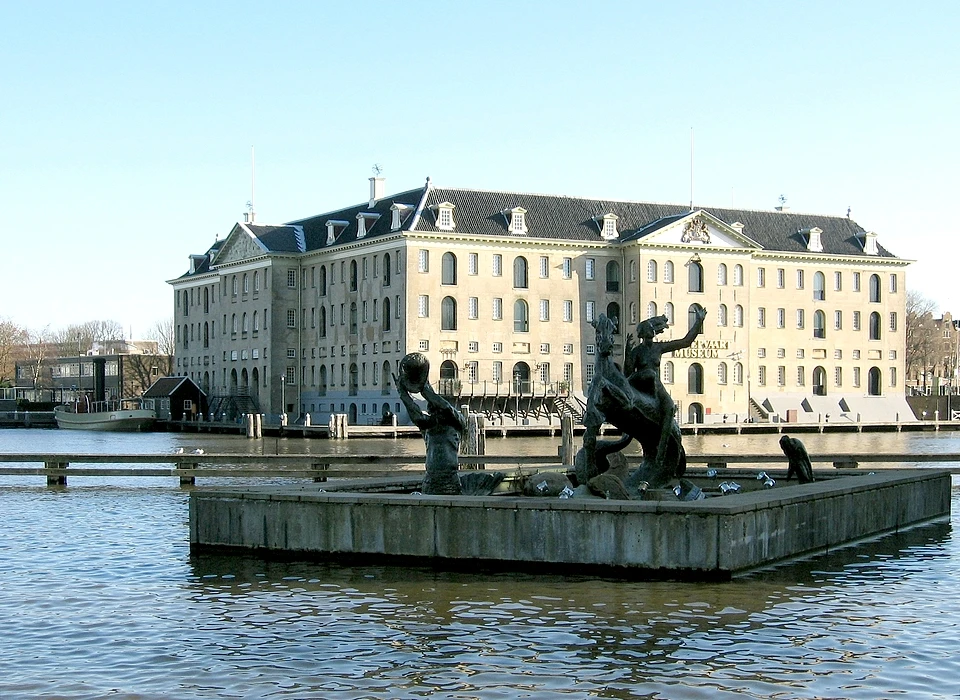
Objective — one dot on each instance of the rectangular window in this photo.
(892, 355)
(423, 261)
(856, 287)
(837, 281)
(567, 310)
(473, 346)
(396, 306)
(893, 321)
(545, 373)
(856, 320)
(761, 317)
(893, 376)
(781, 352)
(800, 318)
(497, 265)
(837, 320)
(472, 370)
(591, 349)
(591, 269)
(498, 347)
(568, 348)
(292, 279)
(497, 309)
(291, 352)
(292, 313)
(544, 267)
(473, 263)
(544, 348)
(762, 375)
(588, 373)
(799, 279)
(473, 307)
(800, 376)
(781, 278)
(544, 309)
(893, 288)
(856, 376)
(424, 345)
(856, 354)
(568, 372)
(761, 352)
(799, 353)
(591, 310)
(781, 318)
(781, 375)
(761, 277)
(498, 372)
(567, 268)
(423, 306)
(837, 376)
(838, 354)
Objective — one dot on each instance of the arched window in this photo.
(819, 381)
(448, 269)
(246, 326)
(668, 312)
(721, 274)
(233, 323)
(448, 314)
(386, 274)
(722, 373)
(668, 272)
(256, 321)
(246, 283)
(520, 272)
(633, 270)
(206, 300)
(353, 318)
(613, 313)
(323, 281)
(819, 324)
(668, 372)
(692, 315)
(722, 315)
(354, 384)
(206, 335)
(695, 413)
(652, 271)
(738, 373)
(695, 378)
(256, 281)
(873, 381)
(738, 275)
(353, 275)
(819, 286)
(521, 316)
(738, 316)
(874, 326)
(651, 309)
(386, 377)
(875, 288)
(385, 321)
(322, 388)
(234, 285)
(694, 277)
(633, 312)
(613, 276)
(323, 321)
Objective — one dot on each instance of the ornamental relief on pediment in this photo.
(238, 247)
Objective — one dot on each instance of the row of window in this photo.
(819, 378)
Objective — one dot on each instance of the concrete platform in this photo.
(716, 538)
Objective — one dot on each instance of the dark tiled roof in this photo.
(279, 239)
(165, 386)
(315, 227)
(571, 218)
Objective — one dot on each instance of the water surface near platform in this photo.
(99, 595)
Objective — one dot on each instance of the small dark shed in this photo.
(176, 398)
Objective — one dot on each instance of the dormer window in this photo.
(608, 228)
(334, 228)
(398, 211)
(365, 221)
(444, 214)
(870, 244)
(814, 244)
(518, 222)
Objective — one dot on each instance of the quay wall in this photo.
(713, 538)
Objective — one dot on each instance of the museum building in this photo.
(498, 289)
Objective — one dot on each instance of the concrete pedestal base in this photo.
(714, 538)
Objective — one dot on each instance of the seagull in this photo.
(197, 451)
(179, 451)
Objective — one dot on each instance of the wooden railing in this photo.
(188, 467)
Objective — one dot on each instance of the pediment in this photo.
(240, 245)
(702, 229)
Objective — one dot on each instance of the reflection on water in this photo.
(99, 595)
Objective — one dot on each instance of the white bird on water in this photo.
(179, 451)
(198, 451)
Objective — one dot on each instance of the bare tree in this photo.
(12, 339)
(87, 333)
(921, 337)
(162, 332)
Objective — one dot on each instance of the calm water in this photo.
(99, 596)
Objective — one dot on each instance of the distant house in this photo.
(176, 398)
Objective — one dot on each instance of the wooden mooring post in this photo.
(56, 479)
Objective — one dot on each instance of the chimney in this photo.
(377, 189)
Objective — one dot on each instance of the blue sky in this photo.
(126, 128)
